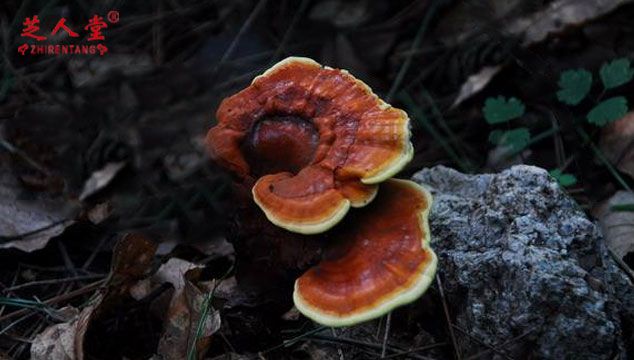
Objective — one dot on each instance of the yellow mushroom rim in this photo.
(316, 140)
(381, 260)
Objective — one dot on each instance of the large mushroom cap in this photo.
(316, 139)
(379, 261)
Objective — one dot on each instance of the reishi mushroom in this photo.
(379, 261)
(315, 140)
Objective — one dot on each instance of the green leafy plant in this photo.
(574, 86)
(613, 74)
(616, 73)
(499, 110)
(564, 180)
(608, 111)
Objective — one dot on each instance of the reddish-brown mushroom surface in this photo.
(315, 140)
(378, 260)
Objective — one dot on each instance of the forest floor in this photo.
(113, 218)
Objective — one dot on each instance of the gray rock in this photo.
(522, 267)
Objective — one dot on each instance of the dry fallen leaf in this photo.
(101, 178)
(99, 213)
(27, 220)
(185, 308)
(183, 317)
(475, 83)
(617, 143)
(530, 21)
(63, 341)
(617, 226)
(132, 260)
(560, 15)
(173, 272)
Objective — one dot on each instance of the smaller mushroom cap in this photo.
(380, 260)
(311, 201)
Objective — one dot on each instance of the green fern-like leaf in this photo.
(616, 73)
(608, 111)
(499, 110)
(574, 85)
(564, 180)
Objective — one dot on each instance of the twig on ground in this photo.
(505, 344)
(483, 343)
(378, 347)
(415, 44)
(287, 35)
(58, 298)
(334, 333)
(622, 265)
(421, 348)
(386, 335)
(55, 281)
(245, 26)
(445, 308)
